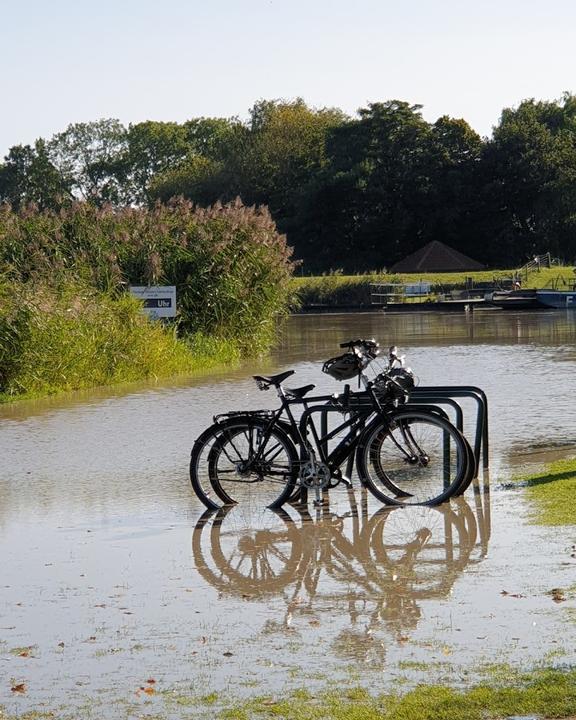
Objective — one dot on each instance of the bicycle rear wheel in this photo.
(413, 458)
(252, 464)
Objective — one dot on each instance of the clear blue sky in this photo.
(69, 61)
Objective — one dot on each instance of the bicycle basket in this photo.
(343, 367)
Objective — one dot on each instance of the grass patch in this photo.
(338, 289)
(546, 692)
(550, 693)
(551, 493)
(71, 337)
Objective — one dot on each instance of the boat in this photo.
(513, 299)
(565, 299)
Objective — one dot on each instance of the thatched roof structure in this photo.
(436, 257)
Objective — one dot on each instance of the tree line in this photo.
(356, 193)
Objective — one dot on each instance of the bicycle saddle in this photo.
(298, 393)
(275, 380)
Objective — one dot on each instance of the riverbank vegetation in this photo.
(67, 320)
(338, 289)
(351, 192)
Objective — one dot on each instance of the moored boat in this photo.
(513, 299)
(565, 299)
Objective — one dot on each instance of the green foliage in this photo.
(231, 267)
(71, 336)
(339, 289)
(353, 193)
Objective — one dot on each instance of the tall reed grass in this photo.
(73, 336)
(67, 320)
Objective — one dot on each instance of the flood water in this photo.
(116, 586)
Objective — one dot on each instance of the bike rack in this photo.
(445, 394)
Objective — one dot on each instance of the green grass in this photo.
(73, 337)
(550, 693)
(337, 289)
(551, 493)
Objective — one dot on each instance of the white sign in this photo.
(159, 300)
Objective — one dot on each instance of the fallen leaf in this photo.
(228, 653)
(149, 690)
(19, 688)
(315, 623)
(151, 681)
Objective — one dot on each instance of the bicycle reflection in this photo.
(376, 567)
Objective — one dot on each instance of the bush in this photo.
(72, 336)
(230, 266)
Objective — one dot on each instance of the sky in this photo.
(69, 61)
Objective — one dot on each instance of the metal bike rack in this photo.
(446, 394)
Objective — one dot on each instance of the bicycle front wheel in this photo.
(253, 464)
(413, 458)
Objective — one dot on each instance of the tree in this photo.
(530, 166)
(91, 159)
(28, 176)
(153, 148)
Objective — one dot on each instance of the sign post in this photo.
(159, 300)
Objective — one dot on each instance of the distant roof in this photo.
(436, 257)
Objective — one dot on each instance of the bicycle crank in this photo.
(315, 475)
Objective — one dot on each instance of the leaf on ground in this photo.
(228, 653)
(512, 595)
(19, 688)
(151, 681)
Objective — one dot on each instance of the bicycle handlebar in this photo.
(370, 347)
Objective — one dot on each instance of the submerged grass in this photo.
(551, 493)
(547, 692)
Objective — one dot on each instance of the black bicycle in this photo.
(404, 455)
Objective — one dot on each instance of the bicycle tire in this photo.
(241, 470)
(199, 467)
(413, 458)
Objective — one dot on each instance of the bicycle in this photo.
(403, 455)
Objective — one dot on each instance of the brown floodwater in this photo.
(112, 575)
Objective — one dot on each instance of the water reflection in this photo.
(307, 336)
(375, 566)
